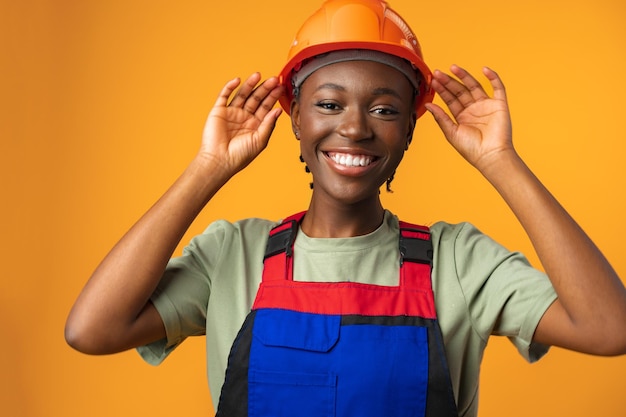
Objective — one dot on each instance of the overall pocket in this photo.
(287, 375)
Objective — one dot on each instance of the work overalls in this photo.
(317, 349)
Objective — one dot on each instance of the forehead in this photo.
(350, 75)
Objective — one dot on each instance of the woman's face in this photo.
(354, 120)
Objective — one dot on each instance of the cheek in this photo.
(397, 145)
(312, 132)
(312, 125)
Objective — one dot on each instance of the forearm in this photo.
(106, 313)
(591, 297)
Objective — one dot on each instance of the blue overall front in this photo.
(340, 349)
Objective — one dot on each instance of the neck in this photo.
(339, 220)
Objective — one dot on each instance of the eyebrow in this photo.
(381, 91)
(330, 86)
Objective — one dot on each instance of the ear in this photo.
(409, 135)
(295, 117)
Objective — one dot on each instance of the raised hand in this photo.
(113, 312)
(481, 128)
(236, 132)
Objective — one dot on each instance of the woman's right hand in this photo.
(235, 133)
(113, 312)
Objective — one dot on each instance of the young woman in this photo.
(331, 311)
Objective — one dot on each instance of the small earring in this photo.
(297, 133)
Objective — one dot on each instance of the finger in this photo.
(244, 91)
(267, 126)
(499, 91)
(269, 101)
(472, 86)
(227, 90)
(454, 93)
(443, 85)
(263, 97)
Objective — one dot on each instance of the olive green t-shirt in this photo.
(480, 289)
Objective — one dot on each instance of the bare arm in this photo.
(590, 312)
(113, 312)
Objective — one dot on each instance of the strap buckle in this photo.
(414, 248)
(281, 239)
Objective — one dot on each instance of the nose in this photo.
(354, 125)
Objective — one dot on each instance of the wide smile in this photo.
(351, 163)
(349, 160)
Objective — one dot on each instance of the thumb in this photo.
(445, 122)
(268, 124)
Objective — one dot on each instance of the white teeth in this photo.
(349, 160)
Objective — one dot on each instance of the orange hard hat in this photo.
(368, 25)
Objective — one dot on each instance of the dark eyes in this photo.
(385, 111)
(331, 106)
(327, 105)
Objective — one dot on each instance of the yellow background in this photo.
(102, 105)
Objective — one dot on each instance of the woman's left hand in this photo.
(481, 128)
(589, 314)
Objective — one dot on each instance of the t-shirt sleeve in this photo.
(505, 295)
(182, 295)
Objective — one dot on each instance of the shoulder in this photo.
(465, 243)
(472, 258)
(453, 232)
(227, 232)
(460, 241)
(240, 227)
(222, 240)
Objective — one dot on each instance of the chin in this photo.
(349, 195)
